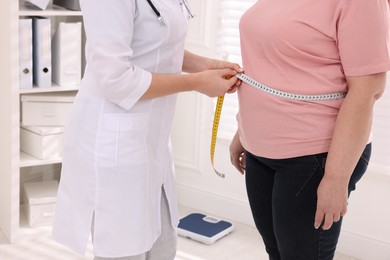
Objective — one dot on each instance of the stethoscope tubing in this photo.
(159, 16)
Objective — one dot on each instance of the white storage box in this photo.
(46, 109)
(39, 202)
(41, 142)
(68, 4)
(42, 4)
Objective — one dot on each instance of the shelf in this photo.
(27, 233)
(54, 88)
(13, 224)
(26, 9)
(27, 160)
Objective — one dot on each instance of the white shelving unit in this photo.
(25, 9)
(13, 162)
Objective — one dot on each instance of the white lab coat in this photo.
(117, 154)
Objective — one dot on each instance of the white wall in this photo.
(366, 228)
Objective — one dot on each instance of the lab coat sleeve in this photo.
(109, 30)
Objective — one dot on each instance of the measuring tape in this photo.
(291, 96)
(217, 116)
(266, 89)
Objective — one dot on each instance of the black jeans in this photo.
(283, 198)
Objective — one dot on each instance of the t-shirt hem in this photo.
(286, 155)
(290, 154)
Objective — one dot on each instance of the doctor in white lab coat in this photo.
(117, 174)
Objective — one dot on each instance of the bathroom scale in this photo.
(204, 228)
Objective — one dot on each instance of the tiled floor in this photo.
(243, 243)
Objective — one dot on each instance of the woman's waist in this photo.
(290, 126)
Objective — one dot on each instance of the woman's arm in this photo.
(351, 133)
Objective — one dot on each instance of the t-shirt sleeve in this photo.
(363, 37)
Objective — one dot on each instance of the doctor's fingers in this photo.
(235, 86)
(229, 76)
(231, 84)
(221, 64)
(232, 90)
(233, 66)
(218, 86)
(227, 73)
(216, 83)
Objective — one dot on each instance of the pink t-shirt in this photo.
(305, 47)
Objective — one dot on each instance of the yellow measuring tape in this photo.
(217, 116)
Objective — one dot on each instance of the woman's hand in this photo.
(237, 154)
(350, 136)
(332, 201)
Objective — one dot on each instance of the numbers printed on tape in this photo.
(287, 95)
(217, 116)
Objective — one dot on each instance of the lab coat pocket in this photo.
(122, 139)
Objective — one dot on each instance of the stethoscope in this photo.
(159, 16)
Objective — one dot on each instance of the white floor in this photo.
(243, 243)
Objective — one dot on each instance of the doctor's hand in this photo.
(214, 83)
(214, 64)
(221, 64)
